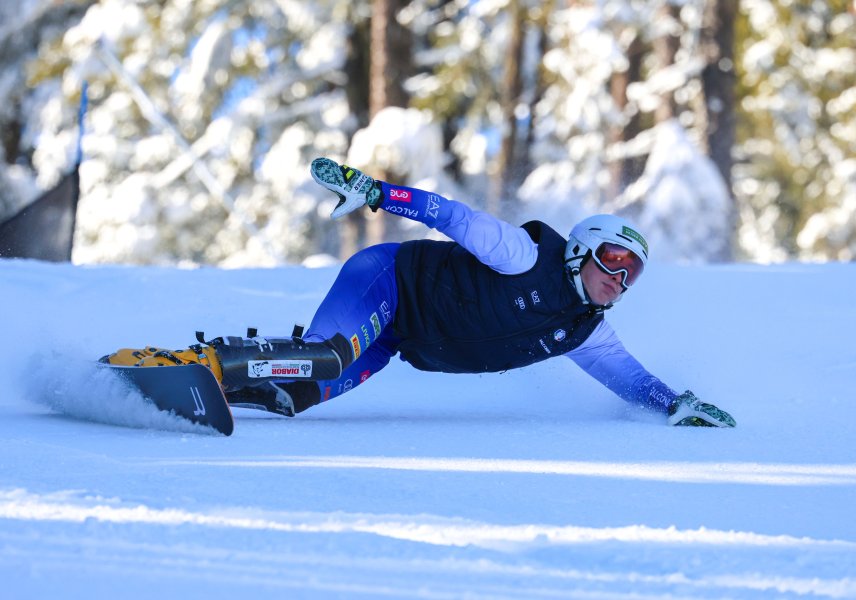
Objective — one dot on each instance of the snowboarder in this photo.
(496, 297)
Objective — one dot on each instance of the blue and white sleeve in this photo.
(499, 245)
(604, 357)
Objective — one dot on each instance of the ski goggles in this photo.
(614, 259)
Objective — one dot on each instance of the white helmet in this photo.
(606, 238)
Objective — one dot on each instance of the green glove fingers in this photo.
(688, 411)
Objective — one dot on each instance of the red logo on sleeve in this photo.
(399, 195)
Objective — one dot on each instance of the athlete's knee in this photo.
(373, 259)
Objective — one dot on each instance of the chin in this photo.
(609, 299)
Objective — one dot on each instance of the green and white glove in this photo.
(354, 188)
(687, 410)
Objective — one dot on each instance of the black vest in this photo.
(457, 315)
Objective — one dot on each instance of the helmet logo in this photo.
(635, 235)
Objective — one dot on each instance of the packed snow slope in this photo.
(535, 483)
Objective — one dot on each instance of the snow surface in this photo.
(535, 483)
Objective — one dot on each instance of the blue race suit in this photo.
(368, 304)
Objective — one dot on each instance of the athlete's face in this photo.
(602, 287)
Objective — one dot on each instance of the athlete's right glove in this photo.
(687, 410)
(353, 187)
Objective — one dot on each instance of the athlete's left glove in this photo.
(687, 410)
(353, 187)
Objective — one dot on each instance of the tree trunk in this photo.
(539, 86)
(665, 49)
(718, 81)
(626, 170)
(357, 68)
(391, 56)
(505, 177)
(390, 64)
(352, 227)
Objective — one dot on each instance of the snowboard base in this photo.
(190, 391)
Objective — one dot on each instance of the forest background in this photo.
(725, 128)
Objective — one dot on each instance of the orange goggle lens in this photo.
(615, 259)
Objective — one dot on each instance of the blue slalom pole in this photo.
(81, 114)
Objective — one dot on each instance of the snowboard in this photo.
(190, 391)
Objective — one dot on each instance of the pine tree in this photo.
(796, 179)
(205, 116)
(625, 79)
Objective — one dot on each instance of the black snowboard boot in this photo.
(250, 362)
